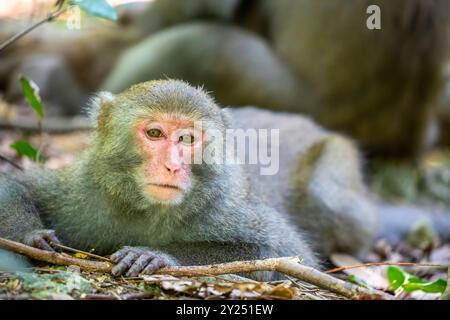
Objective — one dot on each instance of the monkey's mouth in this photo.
(164, 192)
(167, 186)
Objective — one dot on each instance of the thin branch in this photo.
(372, 264)
(49, 125)
(137, 295)
(89, 254)
(54, 257)
(19, 35)
(98, 297)
(287, 265)
(127, 296)
(15, 165)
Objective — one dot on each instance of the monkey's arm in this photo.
(17, 217)
(164, 13)
(201, 253)
(18, 214)
(20, 220)
(253, 231)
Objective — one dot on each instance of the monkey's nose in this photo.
(172, 168)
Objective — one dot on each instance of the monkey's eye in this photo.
(154, 133)
(186, 139)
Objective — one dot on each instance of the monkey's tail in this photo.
(397, 221)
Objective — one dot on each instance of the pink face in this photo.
(168, 145)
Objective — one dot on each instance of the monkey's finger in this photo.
(41, 243)
(156, 264)
(52, 238)
(124, 264)
(119, 255)
(139, 265)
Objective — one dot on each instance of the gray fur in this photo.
(319, 185)
(97, 203)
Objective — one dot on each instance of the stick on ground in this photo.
(378, 264)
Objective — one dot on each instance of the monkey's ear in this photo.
(101, 100)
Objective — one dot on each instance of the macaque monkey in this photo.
(314, 57)
(138, 193)
(134, 193)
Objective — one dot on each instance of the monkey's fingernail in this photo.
(153, 266)
(131, 274)
(55, 240)
(117, 256)
(42, 244)
(116, 271)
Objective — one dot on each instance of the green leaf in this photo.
(399, 278)
(31, 93)
(396, 277)
(437, 286)
(24, 148)
(98, 8)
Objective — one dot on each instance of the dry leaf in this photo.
(372, 276)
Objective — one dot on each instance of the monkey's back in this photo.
(296, 134)
(319, 184)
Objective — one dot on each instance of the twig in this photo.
(50, 125)
(128, 296)
(89, 254)
(137, 295)
(372, 264)
(288, 266)
(54, 257)
(98, 297)
(46, 270)
(232, 280)
(15, 165)
(19, 35)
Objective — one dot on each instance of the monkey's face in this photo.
(167, 144)
(150, 141)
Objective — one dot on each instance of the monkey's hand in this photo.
(133, 261)
(41, 239)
